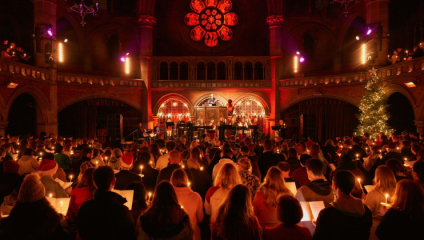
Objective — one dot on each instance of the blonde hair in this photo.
(273, 186)
(228, 177)
(409, 198)
(244, 163)
(385, 180)
(116, 152)
(179, 178)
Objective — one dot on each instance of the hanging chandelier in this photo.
(345, 4)
(83, 10)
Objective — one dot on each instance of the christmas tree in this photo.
(373, 109)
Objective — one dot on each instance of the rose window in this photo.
(211, 19)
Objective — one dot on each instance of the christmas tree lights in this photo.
(373, 115)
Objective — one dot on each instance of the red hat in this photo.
(127, 160)
(10, 166)
(48, 167)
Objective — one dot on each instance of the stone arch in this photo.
(37, 94)
(311, 27)
(176, 96)
(307, 96)
(86, 97)
(76, 27)
(393, 88)
(3, 107)
(207, 96)
(254, 96)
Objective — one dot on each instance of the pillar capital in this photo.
(146, 21)
(420, 126)
(275, 21)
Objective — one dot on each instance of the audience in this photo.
(48, 169)
(247, 178)
(301, 174)
(235, 218)
(265, 202)
(268, 159)
(226, 158)
(124, 176)
(418, 174)
(28, 163)
(165, 218)
(289, 213)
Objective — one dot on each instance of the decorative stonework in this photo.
(146, 21)
(275, 20)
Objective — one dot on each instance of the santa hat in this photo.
(31, 189)
(48, 167)
(127, 160)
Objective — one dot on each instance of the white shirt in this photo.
(219, 165)
(162, 162)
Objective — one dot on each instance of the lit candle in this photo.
(359, 180)
(183, 166)
(150, 196)
(50, 195)
(61, 206)
(357, 158)
(386, 195)
(72, 152)
(53, 148)
(97, 163)
(17, 152)
(201, 168)
(141, 170)
(70, 177)
(406, 159)
(151, 163)
(182, 207)
(189, 184)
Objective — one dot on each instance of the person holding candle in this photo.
(384, 183)
(192, 202)
(404, 219)
(247, 178)
(48, 168)
(62, 159)
(347, 217)
(32, 217)
(28, 163)
(392, 152)
(165, 218)
(97, 158)
(174, 163)
(125, 176)
(150, 173)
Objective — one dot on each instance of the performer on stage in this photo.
(141, 132)
(180, 127)
(200, 131)
(212, 134)
(190, 130)
(169, 132)
(234, 124)
(255, 130)
(282, 129)
(221, 129)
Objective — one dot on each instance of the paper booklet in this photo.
(369, 188)
(292, 187)
(65, 185)
(60, 204)
(311, 210)
(128, 194)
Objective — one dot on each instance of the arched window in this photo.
(238, 71)
(259, 71)
(308, 45)
(163, 71)
(222, 72)
(183, 71)
(201, 71)
(173, 71)
(248, 71)
(172, 108)
(211, 71)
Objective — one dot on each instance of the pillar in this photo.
(49, 123)
(377, 12)
(44, 15)
(3, 126)
(146, 23)
(420, 126)
(275, 49)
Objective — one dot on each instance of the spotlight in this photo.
(297, 53)
(122, 59)
(128, 53)
(357, 37)
(369, 31)
(49, 32)
(66, 40)
(302, 59)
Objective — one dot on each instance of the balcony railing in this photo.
(24, 70)
(388, 73)
(212, 84)
(65, 78)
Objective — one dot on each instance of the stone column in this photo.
(146, 23)
(3, 126)
(44, 15)
(377, 12)
(49, 123)
(420, 126)
(275, 50)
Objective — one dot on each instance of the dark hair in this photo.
(289, 210)
(170, 145)
(304, 158)
(108, 153)
(103, 177)
(49, 156)
(292, 153)
(267, 144)
(96, 152)
(344, 180)
(29, 152)
(144, 157)
(367, 135)
(315, 165)
(228, 152)
(419, 170)
(139, 193)
(59, 148)
(244, 149)
(86, 151)
(395, 165)
(355, 140)
(283, 166)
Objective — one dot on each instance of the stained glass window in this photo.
(211, 20)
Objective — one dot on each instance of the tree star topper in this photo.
(373, 71)
(211, 19)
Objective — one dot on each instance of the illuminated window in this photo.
(211, 19)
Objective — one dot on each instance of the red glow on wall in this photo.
(211, 19)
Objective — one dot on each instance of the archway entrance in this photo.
(22, 116)
(322, 118)
(88, 118)
(401, 113)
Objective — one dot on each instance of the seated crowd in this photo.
(359, 188)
